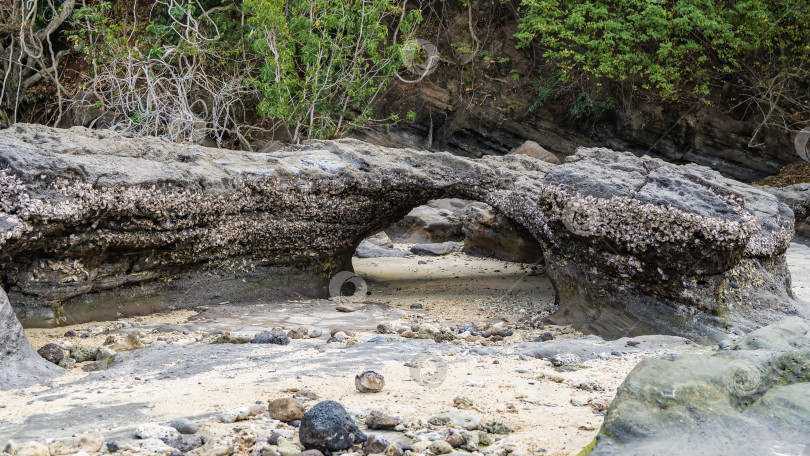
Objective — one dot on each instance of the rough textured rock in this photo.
(752, 399)
(369, 382)
(94, 220)
(437, 221)
(796, 197)
(52, 352)
(285, 409)
(490, 233)
(20, 364)
(379, 420)
(457, 419)
(271, 337)
(328, 428)
(82, 354)
(641, 246)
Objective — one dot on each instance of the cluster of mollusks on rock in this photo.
(642, 226)
(614, 256)
(189, 209)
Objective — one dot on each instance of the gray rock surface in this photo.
(490, 233)
(639, 246)
(328, 428)
(20, 364)
(752, 399)
(436, 249)
(796, 197)
(52, 352)
(91, 221)
(368, 250)
(271, 337)
(437, 221)
(591, 347)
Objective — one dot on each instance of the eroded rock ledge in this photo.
(93, 220)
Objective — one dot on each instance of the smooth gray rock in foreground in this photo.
(753, 399)
(20, 364)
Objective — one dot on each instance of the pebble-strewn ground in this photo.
(198, 365)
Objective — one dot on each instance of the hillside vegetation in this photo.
(230, 71)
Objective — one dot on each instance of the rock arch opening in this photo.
(459, 255)
(628, 242)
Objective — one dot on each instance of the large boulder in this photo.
(20, 364)
(636, 245)
(532, 149)
(91, 221)
(750, 399)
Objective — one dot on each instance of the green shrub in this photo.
(675, 49)
(324, 61)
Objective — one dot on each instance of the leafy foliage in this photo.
(325, 61)
(312, 66)
(676, 49)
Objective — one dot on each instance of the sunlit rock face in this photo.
(93, 220)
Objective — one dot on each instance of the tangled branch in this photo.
(176, 93)
(27, 53)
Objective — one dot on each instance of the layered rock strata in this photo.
(93, 220)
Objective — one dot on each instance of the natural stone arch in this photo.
(631, 244)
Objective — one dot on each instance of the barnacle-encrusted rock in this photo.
(94, 220)
(637, 245)
(90, 219)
